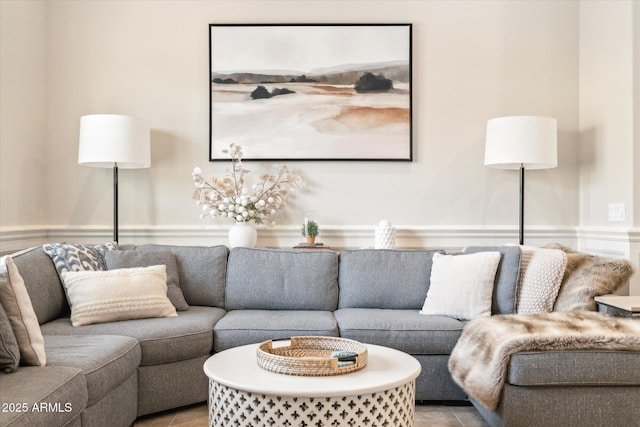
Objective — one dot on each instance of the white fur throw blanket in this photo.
(479, 361)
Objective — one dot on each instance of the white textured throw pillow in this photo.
(541, 272)
(127, 293)
(461, 286)
(16, 302)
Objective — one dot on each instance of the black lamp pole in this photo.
(521, 231)
(115, 202)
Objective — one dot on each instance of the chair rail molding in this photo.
(617, 242)
(337, 236)
(15, 238)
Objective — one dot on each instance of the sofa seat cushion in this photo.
(48, 395)
(162, 340)
(405, 330)
(575, 367)
(240, 327)
(106, 361)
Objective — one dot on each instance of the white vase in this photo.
(385, 237)
(242, 234)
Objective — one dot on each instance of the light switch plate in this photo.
(616, 212)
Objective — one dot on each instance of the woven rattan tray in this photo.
(310, 356)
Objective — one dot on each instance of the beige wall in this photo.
(635, 246)
(609, 111)
(472, 61)
(23, 114)
(606, 110)
(636, 116)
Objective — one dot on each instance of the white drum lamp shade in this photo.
(106, 139)
(521, 142)
(513, 141)
(114, 141)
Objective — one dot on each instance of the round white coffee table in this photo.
(243, 394)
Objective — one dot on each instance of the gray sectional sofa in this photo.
(108, 374)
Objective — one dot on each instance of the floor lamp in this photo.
(114, 141)
(521, 142)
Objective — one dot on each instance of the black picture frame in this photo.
(311, 91)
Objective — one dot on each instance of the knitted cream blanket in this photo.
(480, 359)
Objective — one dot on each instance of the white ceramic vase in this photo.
(242, 234)
(385, 237)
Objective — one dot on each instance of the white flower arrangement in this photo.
(228, 197)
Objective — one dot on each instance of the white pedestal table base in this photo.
(388, 408)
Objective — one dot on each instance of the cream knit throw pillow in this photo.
(541, 272)
(124, 294)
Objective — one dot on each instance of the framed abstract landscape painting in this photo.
(311, 92)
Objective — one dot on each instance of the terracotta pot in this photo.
(311, 240)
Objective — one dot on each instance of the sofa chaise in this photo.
(110, 373)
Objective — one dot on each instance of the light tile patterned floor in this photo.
(426, 415)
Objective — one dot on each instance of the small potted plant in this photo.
(310, 230)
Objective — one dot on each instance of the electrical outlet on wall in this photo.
(616, 212)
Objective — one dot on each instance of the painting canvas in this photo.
(311, 92)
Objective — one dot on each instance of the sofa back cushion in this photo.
(130, 259)
(43, 284)
(265, 279)
(505, 290)
(201, 271)
(373, 278)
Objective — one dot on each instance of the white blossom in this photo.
(230, 196)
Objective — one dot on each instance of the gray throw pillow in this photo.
(128, 259)
(77, 257)
(9, 350)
